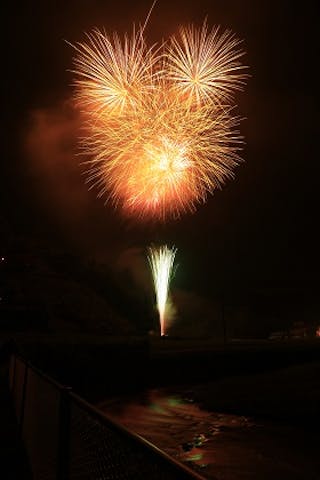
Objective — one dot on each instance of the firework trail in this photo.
(161, 260)
(160, 130)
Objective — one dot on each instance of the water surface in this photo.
(217, 445)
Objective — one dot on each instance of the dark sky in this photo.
(260, 230)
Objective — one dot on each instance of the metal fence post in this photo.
(64, 435)
(13, 378)
(23, 400)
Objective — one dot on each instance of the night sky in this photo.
(259, 231)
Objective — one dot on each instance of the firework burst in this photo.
(161, 260)
(160, 128)
(205, 65)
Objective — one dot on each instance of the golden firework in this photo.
(160, 131)
(205, 65)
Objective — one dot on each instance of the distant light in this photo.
(2, 259)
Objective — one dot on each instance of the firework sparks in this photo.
(161, 260)
(205, 65)
(160, 129)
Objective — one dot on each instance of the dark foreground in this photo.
(245, 411)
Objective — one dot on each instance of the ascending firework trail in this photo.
(161, 261)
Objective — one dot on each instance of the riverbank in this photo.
(289, 395)
(96, 366)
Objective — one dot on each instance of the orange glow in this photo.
(160, 131)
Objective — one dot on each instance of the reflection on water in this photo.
(225, 447)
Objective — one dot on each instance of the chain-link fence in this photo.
(67, 438)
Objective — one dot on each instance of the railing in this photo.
(67, 438)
